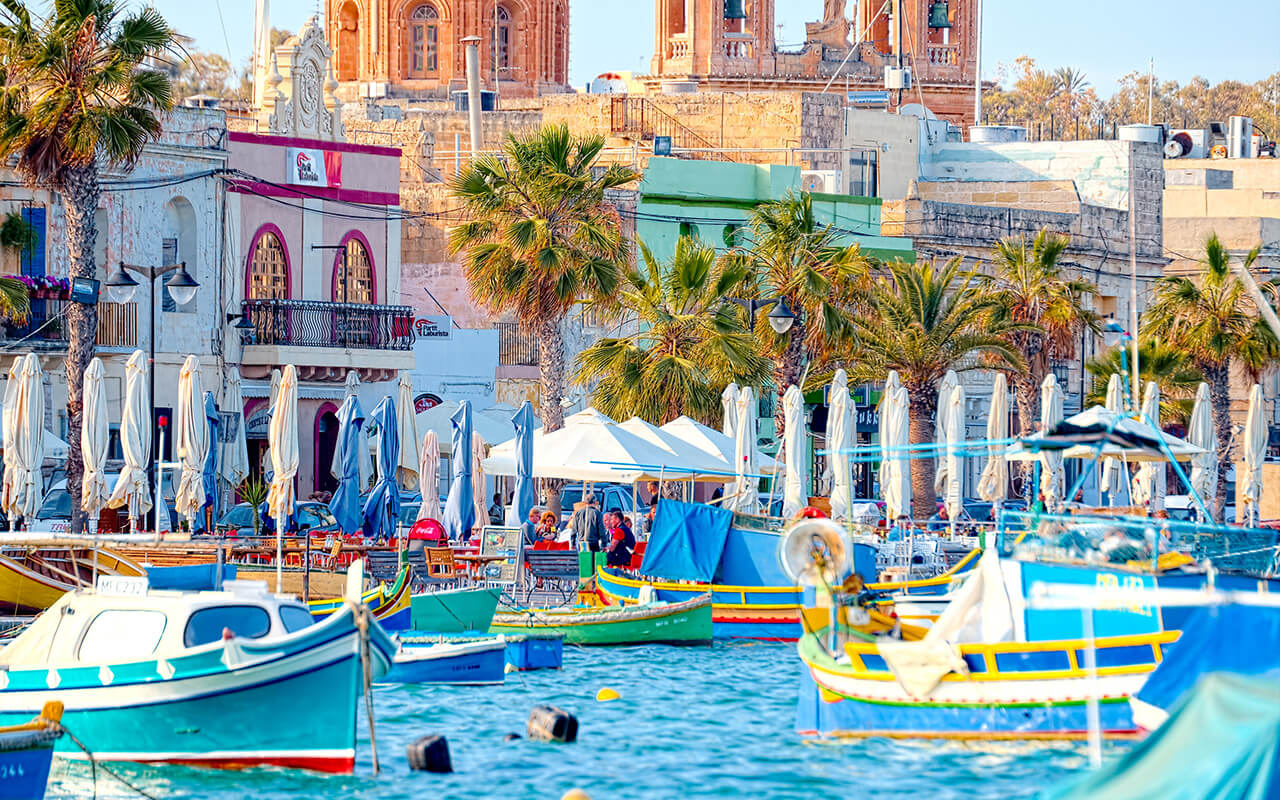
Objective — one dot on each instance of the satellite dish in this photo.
(916, 110)
(815, 551)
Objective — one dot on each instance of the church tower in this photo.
(729, 45)
(412, 48)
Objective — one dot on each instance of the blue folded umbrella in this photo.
(382, 507)
(209, 478)
(345, 504)
(459, 509)
(525, 498)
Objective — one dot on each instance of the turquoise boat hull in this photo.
(287, 701)
(454, 610)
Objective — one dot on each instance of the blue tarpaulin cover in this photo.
(189, 577)
(1221, 742)
(1233, 638)
(686, 541)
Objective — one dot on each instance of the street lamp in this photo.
(781, 318)
(121, 288)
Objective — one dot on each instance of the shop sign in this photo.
(309, 166)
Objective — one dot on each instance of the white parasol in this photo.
(1202, 433)
(93, 442)
(282, 436)
(948, 385)
(191, 432)
(795, 453)
(1148, 486)
(429, 476)
(407, 425)
(993, 485)
(1255, 453)
(1111, 467)
(135, 440)
(1052, 476)
(841, 439)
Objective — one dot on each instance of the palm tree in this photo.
(538, 238)
(78, 99)
(806, 264)
(922, 320)
(1170, 368)
(1035, 292)
(687, 346)
(1212, 319)
(1070, 81)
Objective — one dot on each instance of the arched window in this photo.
(269, 270)
(500, 47)
(353, 274)
(348, 49)
(424, 41)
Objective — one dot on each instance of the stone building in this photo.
(729, 45)
(413, 48)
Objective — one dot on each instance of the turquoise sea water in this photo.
(692, 723)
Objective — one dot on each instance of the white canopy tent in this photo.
(714, 442)
(492, 423)
(691, 457)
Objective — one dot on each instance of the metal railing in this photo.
(639, 118)
(312, 323)
(47, 322)
(517, 346)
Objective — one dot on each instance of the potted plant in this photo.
(18, 233)
(254, 492)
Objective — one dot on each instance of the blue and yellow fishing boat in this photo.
(391, 605)
(26, 753)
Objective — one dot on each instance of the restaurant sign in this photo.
(308, 166)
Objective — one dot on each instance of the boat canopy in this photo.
(1220, 742)
(1120, 437)
(687, 541)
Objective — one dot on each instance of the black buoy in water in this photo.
(551, 724)
(512, 737)
(430, 754)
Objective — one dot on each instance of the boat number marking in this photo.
(1109, 583)
(11, 771)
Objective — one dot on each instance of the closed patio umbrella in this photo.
(746, 455)
(10, 422)
(345, 503)
(895, 410)
(407, 428)
(955, 454)
(25, 488)
(796, 453)
(382, 506)
(429, 477)
(351, 388)
(93, 442)
(1203, 433)
(191, 434)
(282, 436)
(841, 439)
(729, 426)
(478, 493)
(233, 465)
(1255, 452)
(1112, 467)
(135, 440)
(1052, 476)
(459, 509)
(525, 496)
(993, 485)
(948, 385)
(891, 385)
(1149, 482)
(209, 475)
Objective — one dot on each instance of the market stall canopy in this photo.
(690, 457)
(590, 447)
(1120, 436)
(714, 442)
(492, 423)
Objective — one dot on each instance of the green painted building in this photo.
(712, 200)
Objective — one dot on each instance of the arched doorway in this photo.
(348, 55)
(326, 444)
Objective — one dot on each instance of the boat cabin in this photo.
(126, 621)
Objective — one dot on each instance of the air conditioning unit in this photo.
(1188, 143)
(897, 78)
(823, 181)
(373, 90)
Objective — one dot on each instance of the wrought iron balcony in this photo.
(312, 323)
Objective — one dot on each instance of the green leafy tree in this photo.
(1170, 368)
(1212, 318)
(538, 238)
(922, 320)
(77, 99)
(687, 345)
(816, 272)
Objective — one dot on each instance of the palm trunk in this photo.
(788, 370)
(551, 374)
(924, 401)
(80, 193)
(1219, 379)
(1027, 401)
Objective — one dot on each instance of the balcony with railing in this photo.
(46, 326)
(324, 340)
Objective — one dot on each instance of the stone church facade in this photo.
(729, 45)
(413, 48)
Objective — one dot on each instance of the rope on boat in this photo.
(362, 618)
(94, 765)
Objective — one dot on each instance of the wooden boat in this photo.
(475, 662)
(32, 578)
(455, 610)
(684, 623)
(389, 604)
(152, 677)
(26, 753)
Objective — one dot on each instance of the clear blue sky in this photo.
(1105, 38)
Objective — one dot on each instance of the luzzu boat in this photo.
(390, 604)
(26, 753)
(752, 598)
(455, 610)
(684, 623)
(32, 578)
(231, 678)
(476, 662)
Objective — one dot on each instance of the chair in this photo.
(552, 574)
(382, 566)
(327, 560)
(441, 569)
(637, 555)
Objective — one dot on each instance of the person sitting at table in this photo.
(548, 529)
(497, 514)
(529, 528)
(621, 541)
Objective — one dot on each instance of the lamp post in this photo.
(121, 288)
(781, 318)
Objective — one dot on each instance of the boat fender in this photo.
(551, 724)
(645, 596)
(606, 694)
(575, 794)
(430, 754)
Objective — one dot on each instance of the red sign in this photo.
(425, 401)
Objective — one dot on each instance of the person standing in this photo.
(621, 541)
(588, 525)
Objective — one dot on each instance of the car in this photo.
(313, 517)
(54, 513)
(611, 495)
(1182, 508)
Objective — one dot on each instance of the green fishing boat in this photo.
(683, 623)
(454, 610)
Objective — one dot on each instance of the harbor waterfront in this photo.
(692, 722)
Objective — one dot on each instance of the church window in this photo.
(424, 41)
(500, 39)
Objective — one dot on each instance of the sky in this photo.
(1105, 38)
